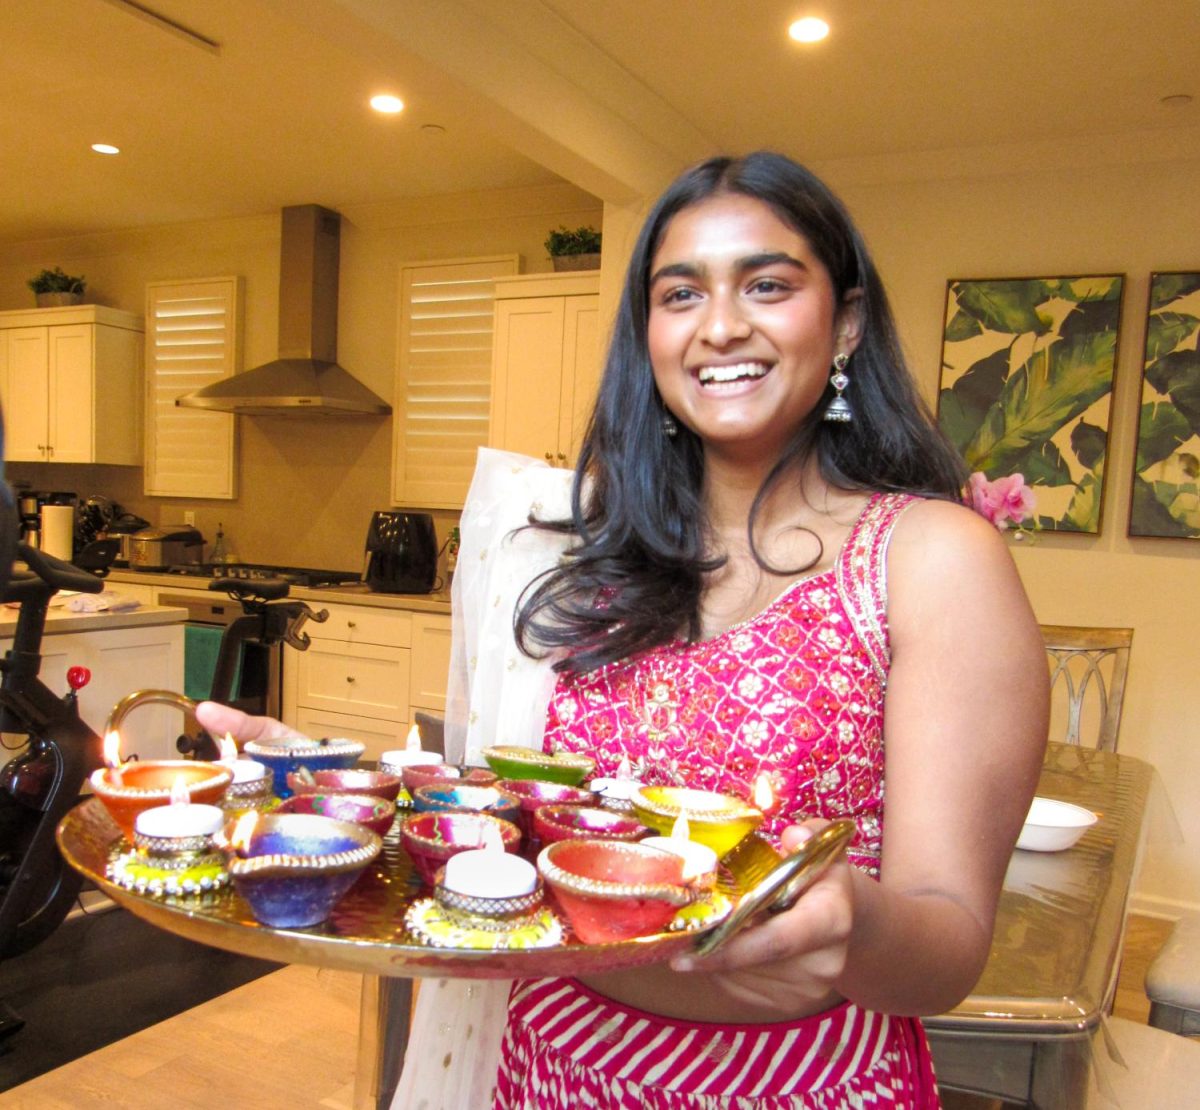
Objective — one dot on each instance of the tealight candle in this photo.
(620, 788)
(179, 820)
(411, 755)
(490, 871)
(698, 859)
(247, 770)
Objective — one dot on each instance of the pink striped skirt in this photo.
(568, 1048)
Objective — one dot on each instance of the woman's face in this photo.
(743, 326)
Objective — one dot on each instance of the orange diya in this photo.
(128, 789)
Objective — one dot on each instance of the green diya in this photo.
(512, 762)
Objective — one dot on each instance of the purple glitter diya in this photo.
(532, 793)
(293, 868)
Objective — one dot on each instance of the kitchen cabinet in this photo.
(545, 364)
(70, 385)
(121, 659)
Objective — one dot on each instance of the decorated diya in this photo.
(431, 838)
(717, 820)
(128, 789)
(513, 762)
(570, 822)
(463, 796)
(293, 868)
(288, 754)
(346, 780)
(533, 793)
(377, 814)
(612, 890)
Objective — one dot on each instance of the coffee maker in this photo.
(29, 509)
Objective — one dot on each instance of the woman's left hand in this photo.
(788, 963)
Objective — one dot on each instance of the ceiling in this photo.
(612, 96)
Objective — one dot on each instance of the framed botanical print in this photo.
(1166, 469)
(1026, 387)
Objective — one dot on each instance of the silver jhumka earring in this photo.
(839, 411)
(669, 427)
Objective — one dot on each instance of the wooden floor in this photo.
(289, 1041)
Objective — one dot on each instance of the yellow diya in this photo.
(717, 820)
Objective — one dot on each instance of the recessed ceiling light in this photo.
(809, 29)
(1176, 100)
(106, 148)
(387, 104)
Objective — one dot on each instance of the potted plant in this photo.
(53, 288)
(574, 250)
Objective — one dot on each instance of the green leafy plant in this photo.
(55, 281)
(581, 240)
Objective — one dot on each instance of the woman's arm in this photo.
(965, 726)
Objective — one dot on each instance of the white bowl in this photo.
(1052, 826)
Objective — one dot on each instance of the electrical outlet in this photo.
(189, 518)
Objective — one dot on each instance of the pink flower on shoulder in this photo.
(1004, 500)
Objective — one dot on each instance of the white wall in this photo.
(1091, 219)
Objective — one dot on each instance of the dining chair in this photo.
(1088, 668)
(1173, 981)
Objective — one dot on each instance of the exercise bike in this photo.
(43, 782)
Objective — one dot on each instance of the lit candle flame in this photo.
(243, 832)
(680, 829)
(112, 749)
(764, 796)
(624, 771)
(229, 750)
(413, 743)
(112, 757)
(179, 792)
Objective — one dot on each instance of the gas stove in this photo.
(297, 576)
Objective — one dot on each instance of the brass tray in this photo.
(366, 932)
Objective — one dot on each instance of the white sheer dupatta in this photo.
(495, 695)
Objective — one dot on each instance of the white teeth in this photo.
(731, 373)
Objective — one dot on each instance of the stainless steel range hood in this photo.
(305, 379)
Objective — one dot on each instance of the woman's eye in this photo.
(767, 286)
(678, 295)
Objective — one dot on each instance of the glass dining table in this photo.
(1027, 1031)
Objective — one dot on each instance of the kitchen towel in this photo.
(58, 531)
(201, 647)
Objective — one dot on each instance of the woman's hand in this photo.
(788, 963)
(217, 720)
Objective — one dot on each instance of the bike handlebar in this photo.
(45, 570)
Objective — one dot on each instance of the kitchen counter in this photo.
(60, 620)
(350, 594)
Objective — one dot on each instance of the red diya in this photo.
(432, 838)
(532, 793)
(346, 780)
(567, 822)
(611, 890)
(127, 789)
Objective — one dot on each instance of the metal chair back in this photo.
(1088, 668)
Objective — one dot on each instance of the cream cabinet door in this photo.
(25, 395)
(580, 372)
(430, 661)
(70, 375)
(527, 376)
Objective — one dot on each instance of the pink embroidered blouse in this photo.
(795, 693)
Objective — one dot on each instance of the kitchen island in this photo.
(130, 650)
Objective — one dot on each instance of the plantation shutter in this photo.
(191, 341)
(444, 377)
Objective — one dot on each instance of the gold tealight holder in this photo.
(717, 820)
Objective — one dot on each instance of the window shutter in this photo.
(192, 338)
(444, 380)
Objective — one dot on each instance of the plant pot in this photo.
(58, 300)
(576, 262)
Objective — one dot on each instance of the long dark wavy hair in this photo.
(635, 575)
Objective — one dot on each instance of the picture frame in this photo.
(1027, 373)
(1165, 496)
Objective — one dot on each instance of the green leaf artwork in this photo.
(1027, 376)
(1166, 469)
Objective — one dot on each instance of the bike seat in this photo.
(263, 589)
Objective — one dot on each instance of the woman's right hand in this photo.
(217, 720)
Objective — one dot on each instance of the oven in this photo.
(257, 686)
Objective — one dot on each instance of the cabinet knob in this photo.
(549, 457)
(351, 624)
(350, 679)
(562, 458)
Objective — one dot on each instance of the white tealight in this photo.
(488, 873)
(180, 820)
(408, 757)
(619, 790)
(247, 770)
(698, 859)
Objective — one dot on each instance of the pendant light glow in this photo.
(106, 148)
(809, 29)
(387, 104)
